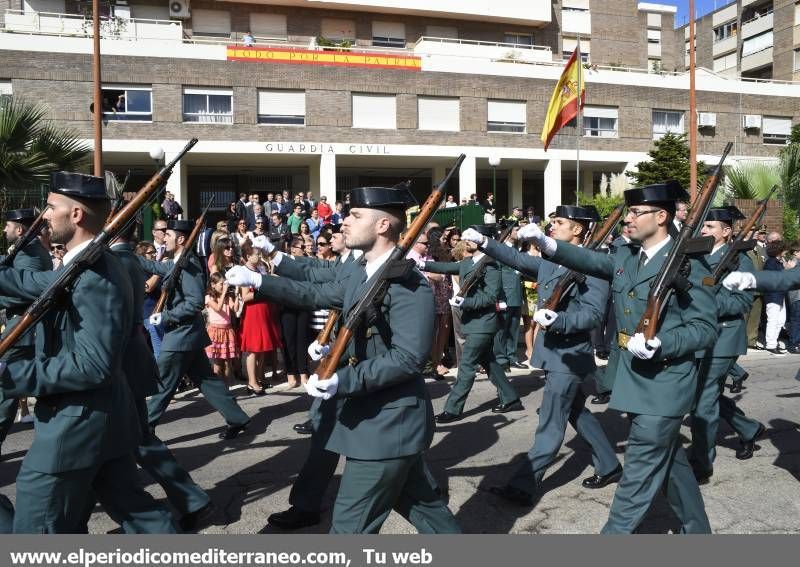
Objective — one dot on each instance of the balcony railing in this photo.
(74, 25)
(757, 25)
(514, 52)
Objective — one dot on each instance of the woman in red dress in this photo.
(259, 333)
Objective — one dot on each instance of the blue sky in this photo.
(700, 6)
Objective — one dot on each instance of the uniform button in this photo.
(626, 311)
(369, 333)
(631, 294)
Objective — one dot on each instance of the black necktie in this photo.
(642, 260)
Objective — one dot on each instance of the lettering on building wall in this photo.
(312, 148)
(308, 57)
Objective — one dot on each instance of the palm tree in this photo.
(31, 147)
(751, 180)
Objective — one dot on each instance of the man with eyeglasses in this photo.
(655, 381)
(159, 232)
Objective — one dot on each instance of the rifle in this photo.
(379, 281)
(171, 280)
(89, 255)
(325, 333)
(594, 239)
(674, 272)
(33, 231)
(480, 266)
(730, 260)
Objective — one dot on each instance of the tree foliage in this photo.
(669, 159)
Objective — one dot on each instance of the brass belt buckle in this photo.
(622, 340)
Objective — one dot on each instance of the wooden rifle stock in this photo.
(672, 276)
(86, 257)
(188, 246)
(478, 270)
(33, 231)
(325, 333)
(378, 282)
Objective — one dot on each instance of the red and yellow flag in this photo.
(563, 105)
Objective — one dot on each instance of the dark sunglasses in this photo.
(57, 246)
(323, 244)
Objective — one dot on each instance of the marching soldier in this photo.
(505, 342)
(382, 409)
(33, 257)
(479, 325)
(716, 362)
(84, 441)
(564, 351)
(141, 371)
(656, 380)
(185, 337)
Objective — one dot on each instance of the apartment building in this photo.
(326, 96)
(755, 39)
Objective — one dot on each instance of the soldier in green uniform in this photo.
(378, 399)
(656, 380)
(141, 372)
(510, 313)
(33, 257)
(479, 325)
(85, 419)
(564, 351)
(185, 337)
(716, 362)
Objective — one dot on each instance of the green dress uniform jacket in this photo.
(666, 384)
(565, 346)
(311, 270)
(182, 316)
(786, 280)
(35, 258)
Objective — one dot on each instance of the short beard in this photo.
(62, 236)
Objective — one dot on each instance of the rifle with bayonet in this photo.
(89, 255)
(171, 280)
(673, 276)
(730, 259)
(480, 266)
(596, 237)
(33, 231)
(395, 266)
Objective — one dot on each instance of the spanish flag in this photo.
(563, 105)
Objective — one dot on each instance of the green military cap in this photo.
(22, 215)
(578, 213)
(398, 197)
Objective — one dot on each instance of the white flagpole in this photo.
(580, 129)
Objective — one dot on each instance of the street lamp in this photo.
(494, 161)
(157, 154)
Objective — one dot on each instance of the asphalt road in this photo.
(249, 478)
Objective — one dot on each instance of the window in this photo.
(127, 103)
(757, 43)
(211, 23)
(570, 43)
(653, 36)
(282, 107)
(438, 113)
(5, 92)
(521, 40)
(725, 31)
(143, 12)
(776, 130)
(797, 14)
(268, 26)
(442, 31)
(208, 106)
(667, 121)
(388, 34)
(725, 62)
(506, 116)
(338, 30)
(374, 111)
(600, 121)
(797, 59)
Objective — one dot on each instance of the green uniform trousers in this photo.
(8, 406)
(478, 349)
(754, 320)
(313, 480)
(370, 490)
(563, 402)
(655, 460)
(6, 515)
(56, 503)
(174, 364)
(711, 406)
(505, 342)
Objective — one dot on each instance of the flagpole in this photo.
(580, 129)
(692, 107)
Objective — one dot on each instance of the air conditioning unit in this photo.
(706, 119)
(751, 121)
(180, 9)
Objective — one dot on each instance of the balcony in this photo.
(73, 25)
(757, 25)
(724, 45)
(483, 50)
(757, 60)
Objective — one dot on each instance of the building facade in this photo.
(326, 96)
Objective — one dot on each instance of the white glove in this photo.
(317, 351)
(739, 280)
(155, 319)
(324, 389)
(640, 348)
(533, 233)
(456, 301)
(472, 235)
(545, 317)
(420, 264)
(502, 305)
(263, 243)
(243, 277)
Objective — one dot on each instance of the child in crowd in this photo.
(224, 348)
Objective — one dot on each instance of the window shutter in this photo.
(507, 111)
(374, 111)
(438, 113)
